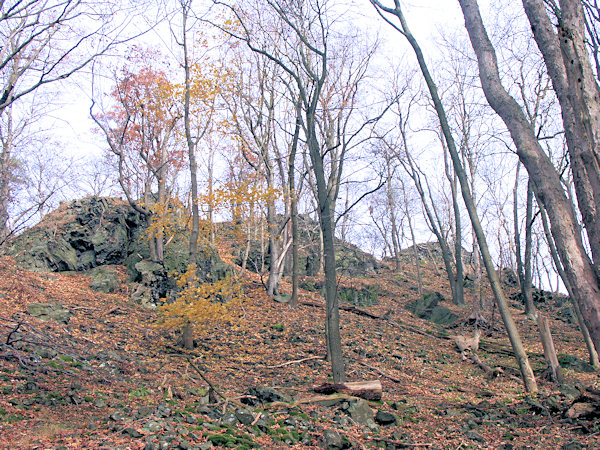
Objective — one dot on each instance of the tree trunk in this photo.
(458, 293)
(549, 350)
(274, 250)
(369, 390)
(513, 334)
(191, 146)
(293, 303)
(188, 336)
(431, 215)
(524, 267)
(593, 354)
(334, 342)
(5, 176)
(546, 181)
(414, 242)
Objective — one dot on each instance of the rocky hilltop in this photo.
(94, 233)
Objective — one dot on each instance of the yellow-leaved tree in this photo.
(200, 304)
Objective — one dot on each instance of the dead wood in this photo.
(297, 361)
(466, 344)
(400, 444)
(379, 371)
(494, 373)
(369, 390)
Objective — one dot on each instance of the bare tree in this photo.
(515, 339)
(577, 93)
(307, 59)
(49, 40)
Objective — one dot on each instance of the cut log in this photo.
(578, 410)
(369, 390)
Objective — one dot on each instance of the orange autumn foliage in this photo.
(201, 303)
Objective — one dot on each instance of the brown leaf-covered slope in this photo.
(111, 379)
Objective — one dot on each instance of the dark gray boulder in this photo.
(79, 235)
(428, 308)
(104, 279)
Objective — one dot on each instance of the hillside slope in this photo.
(108, 378)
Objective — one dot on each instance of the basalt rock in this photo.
(428, 308)
(82, 235)
(79, 235)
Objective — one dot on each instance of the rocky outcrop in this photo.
(79, 235)
(49, 311)
(94, 233)
(428, 308)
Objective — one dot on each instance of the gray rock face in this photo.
(428, 308)
(385, 418)
(100, 231)
(80, 235)
(49, 311)
(104, 279)
(265, 394)
(332, 440)
(245, 417)
(361, 413)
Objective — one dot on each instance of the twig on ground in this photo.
(297, 361)
(379, 371)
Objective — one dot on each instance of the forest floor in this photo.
(109, 378)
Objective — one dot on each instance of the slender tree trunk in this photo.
(549, 350)
(294, 211)
(527, 282)
(5, 176)
(191, 145)
(458, 293)
(432, 216)
(577, 265)
(593, 354)
(414, 242)
(334, 342)
(188, 336)
(524, 267)
(395, 246)
(274, 249)
(513, 334)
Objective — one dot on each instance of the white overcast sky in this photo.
(72, 125)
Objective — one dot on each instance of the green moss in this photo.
(12, 418)
(227, 440)
(139, 393)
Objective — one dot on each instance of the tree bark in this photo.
(513, 334)
(549, 350)
(593, 354)
(369, 390)
(546, 182)
(191, 145)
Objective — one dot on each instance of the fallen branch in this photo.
(297, 361)
(379, 371)
(474, 358)
(400, 444)
(193, 366)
